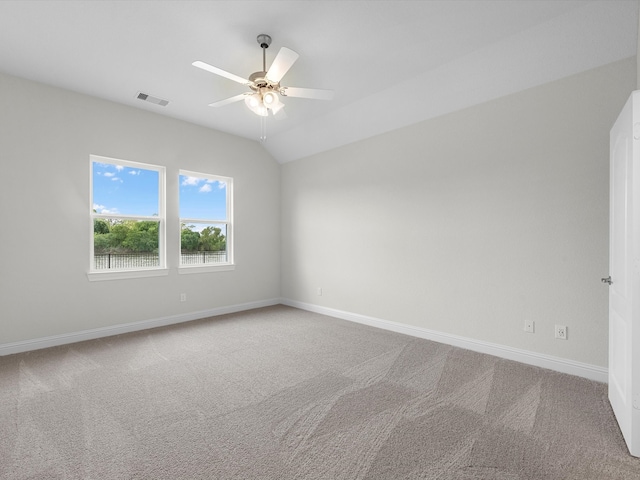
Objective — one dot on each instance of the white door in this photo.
(624, 264)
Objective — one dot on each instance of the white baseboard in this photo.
(592, 372)
(64, 339)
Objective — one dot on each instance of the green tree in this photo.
(211, 239)
(101, 242)
(189, 240)
(100, 226)
(119, 233)
(141, 236)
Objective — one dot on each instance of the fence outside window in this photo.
(124, 261)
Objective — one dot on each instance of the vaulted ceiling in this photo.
(390, 63)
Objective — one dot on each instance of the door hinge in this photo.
(606, 280)
(636, 131)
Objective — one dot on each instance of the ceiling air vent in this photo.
(148, 98)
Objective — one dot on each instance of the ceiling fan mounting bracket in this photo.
(264, 40)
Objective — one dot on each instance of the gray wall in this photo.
(470, 223)
(46, 137)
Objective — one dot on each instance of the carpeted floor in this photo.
(280, 393)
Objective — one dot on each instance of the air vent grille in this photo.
(155, 100)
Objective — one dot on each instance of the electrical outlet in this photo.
(529, 326)
(561, 332)
(183, 297)
(319, 291)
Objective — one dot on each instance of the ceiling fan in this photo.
(266, 90)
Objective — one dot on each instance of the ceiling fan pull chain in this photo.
(263, 129)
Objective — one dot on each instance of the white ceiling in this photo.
(390, 63)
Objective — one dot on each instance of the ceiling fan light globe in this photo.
(276, 108)
(253, 101)
(270, 98)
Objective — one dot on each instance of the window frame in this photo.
(208, 267)
(160, 270)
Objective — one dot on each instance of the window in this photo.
(205, 220)
(127, 218)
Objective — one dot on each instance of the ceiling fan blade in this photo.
(281, 64)
(313, 93)
(229, 100)
(222, 73)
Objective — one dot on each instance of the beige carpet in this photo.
(279, 393)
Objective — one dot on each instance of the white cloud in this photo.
(109, 174)
(208, 183)
(102, 209)
(119, 168)
(191, 181)
(117, 179)
(134, 172)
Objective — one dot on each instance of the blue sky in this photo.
(134, 191)
(202, 198)
(124, 190)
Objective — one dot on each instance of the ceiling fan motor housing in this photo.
(260, 82)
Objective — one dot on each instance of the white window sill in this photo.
(227, 267)
(124, 274)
